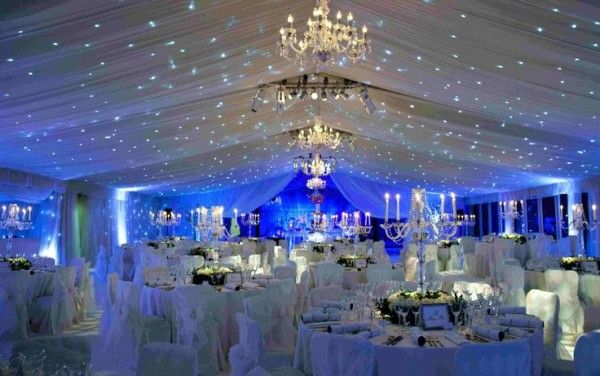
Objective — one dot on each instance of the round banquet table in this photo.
(156, 301)
(406, 358)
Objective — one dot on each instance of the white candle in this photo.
(397, 207)
(368, 218)
(453, 204)
(29, 209)
(356, 218)
(594, 211)
(443, 202)
(387, 206)
(561, 212)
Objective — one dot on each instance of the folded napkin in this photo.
(417, 335)
(522, 321)
(232, 286)
(455, 338)
(249, 285)
(310, 317)
(506, 310)
(489, 332)
(349, 328)
(366, 334)
(335, 304)
(516, 332)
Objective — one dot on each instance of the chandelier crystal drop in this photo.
(326, 39)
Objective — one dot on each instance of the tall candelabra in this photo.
(579, 222)
(14, 219)
(250, 220)
(210, 226)
(164, 218)
(466, 221)
(352, 227)
(421, 225)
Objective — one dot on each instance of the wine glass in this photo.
(456, 308)
(404, 313)
(416, 310)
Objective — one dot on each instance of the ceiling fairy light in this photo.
(326, 40)
(318, 86)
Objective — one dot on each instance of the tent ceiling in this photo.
(155, 95)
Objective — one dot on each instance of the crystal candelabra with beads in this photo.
(210, 226)
(352, 227)
(250, 220)
(580, 223)
(509, 211)
(12, 219)
(164, 218)
(421, 225)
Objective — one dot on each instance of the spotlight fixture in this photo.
(366, 99)
(257, 100)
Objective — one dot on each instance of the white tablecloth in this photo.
(351, 276)
(406, 358)
(483, 255)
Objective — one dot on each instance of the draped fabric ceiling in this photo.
(154, 96)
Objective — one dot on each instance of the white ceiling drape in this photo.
(472, 96)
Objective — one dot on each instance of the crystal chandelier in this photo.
(164, 218)
(317, 136)
(14, 218)
(315, 165)
(327, 40)
(315, 183)
(579, 222)
(209, 225)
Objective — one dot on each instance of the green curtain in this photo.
(80, 228)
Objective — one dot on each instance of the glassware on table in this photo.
(416, 311)
(456, 309)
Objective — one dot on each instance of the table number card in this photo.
(360, 263)
(435, 316)
(234, 278)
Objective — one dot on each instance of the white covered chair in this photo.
(285, 272)
(160, 358)
(454, 263)
(587, 353)
(379, 273)
(514, 280)
(301, 267)
(410, 268)
(13, 304)
(115, 264)
(108, 301)
(189, 263)
(53, 314)
(329, 274)
(232, 261)
(321, 293)
(510, 358)
(101, 267)
(199, 314)
(129, 330)
(340, 355)
(545, 306)
(565, 284)
(146, 258)
(254, 263)
(379, 252)
(249, 355)
(275, 318)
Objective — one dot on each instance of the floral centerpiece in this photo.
(576, 263)
(213, 275)
(517, 238)
(206, 252)
(411, 300)
(447, 243)
(17, 263)
(349, 261)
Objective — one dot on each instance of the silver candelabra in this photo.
(12, 219)
(421, 225)
(250, 220)
(164, 218)
(210, 225)
(352, 227)
(579, 222)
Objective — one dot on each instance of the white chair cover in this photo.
(274, 317)
(285, 272)
(565, 284)
(431, 269)
(301, 267)
(379, 273)
(146, 258)
(514, 280)
(329, 274)
(13, 304)
(509, 358)
(248, 248)
(410, 267)
(587, 351)
(339, 355)
(545, 305)
(232, 261)
(379, 252)
(156, 276)
(189, 263)
(116, 261)
(108, 301)
(589, 291)
(159, 358)
(129, 331)
(101, 267)
(247, 354)
(254, 264)
(56, 313)
(321, 293)
(468, 244)
(196, 310)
